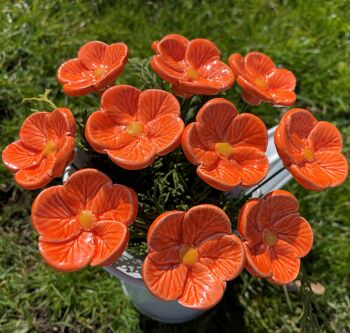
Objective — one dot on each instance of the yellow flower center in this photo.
(224, 149)
(50, 148)
(86, 219)
(309, 154)
(134, 128)
(100, 71)
(261, 83)
(270, 238)
(192, 74)
(188, 255)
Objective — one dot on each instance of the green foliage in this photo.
(310, 38)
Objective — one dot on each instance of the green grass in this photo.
(310, 38)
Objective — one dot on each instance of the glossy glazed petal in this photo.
(224, 255)
(136, 155)
(165, 231)
(35, 177)
(165, 281)
(115, 203)
(248, 130)
(201, 51)
(155, 103)
(122, 100)
(252, 163)
(223, 175)
(110, 240)
(285, 264)
(17, 156)
(69, 256)
(258, 65)
(202, 289)
(165, 133)
(203, 222)
(82, 187)
(33, 132)
(53, 216)
(297, 232)
(193, 67)
(104, 131)
(325, 136)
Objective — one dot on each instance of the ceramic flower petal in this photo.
(311, 150)
(136, 155)
(228, 148)
(201, 51)
(296, 231)
(223, 255)
(123, 101)
(96, 66)
(53, 216)
(165, 231)
(82, 187)
(115, 203)
(33, 132)
(110, 240)
(83, 221)
(275, 236)
(69, 256)
(224, 175)
(192, 67)
(203, 222)
(165, 281)
(325, 136)
(258, 261)
(258, 64)
(17, 156)
(253, 165)
(104, 131)
(44, 149)
(261, 80)
(191, 256)
(135, 127)
(195, 149)
(202, 289)
(247, 130)
(35, 177)
(285, 264)
(173, 51)
(75, 77)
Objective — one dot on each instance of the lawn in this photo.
(311, 38)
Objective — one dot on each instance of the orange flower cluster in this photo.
(191, 254)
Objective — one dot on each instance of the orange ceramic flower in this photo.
(274, 236)
(45, 147)
(192, 67)
(96, 66)
(191, 256)
(262, 81)
(135, 127)
(85, 221)
(228, 147)
(311, 150)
